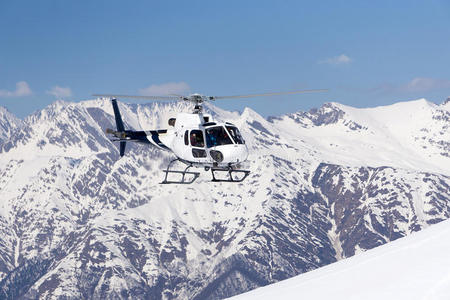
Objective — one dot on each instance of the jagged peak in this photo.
(446, 104)
(413, 104)
(58, 105)
(8, 122)
(5, 113)
(51, 111)
(410, 104)
(328, 113)
(100, 103)
(251, 114)
(61, 102)
(4, 110)
(328, 107)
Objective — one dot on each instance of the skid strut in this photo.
(230, 174)
(183, 174)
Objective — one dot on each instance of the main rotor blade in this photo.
(139, 97)
(267, 94)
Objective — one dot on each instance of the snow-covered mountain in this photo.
(78, 222)
(413, 267)
(8, 124)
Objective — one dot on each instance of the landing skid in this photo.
(193, 175)
(230, 172)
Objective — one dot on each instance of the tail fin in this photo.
(122, 148)
(119, 124)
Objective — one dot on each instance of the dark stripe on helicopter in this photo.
(155, 138)
(143, 137)
(136, 136)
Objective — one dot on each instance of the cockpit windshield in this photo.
(217, 136)
(235, 134)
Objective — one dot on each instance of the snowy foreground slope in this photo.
(413, 267)
(78, 222)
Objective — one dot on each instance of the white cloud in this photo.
(22, 89)
(416, 85)
(165, 89)
(337, 60)
(60, 92)
(423, 84)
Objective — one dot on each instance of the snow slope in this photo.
(413, 267)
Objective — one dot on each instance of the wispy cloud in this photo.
(22, 89)
(337, 60)
(165, 89)
(418, 84)
(422, 84)
(60, 92)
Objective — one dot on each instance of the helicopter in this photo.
(194, 138)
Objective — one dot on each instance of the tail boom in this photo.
(121, 135)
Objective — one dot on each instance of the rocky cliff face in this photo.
(78, 222)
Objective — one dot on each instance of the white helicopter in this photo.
(194, 138)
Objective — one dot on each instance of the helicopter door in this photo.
(198, 144)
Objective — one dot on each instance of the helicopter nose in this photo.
(240, 153)
(229, 154)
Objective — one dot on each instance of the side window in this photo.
(198, 153)
(197, 138)
(186, 138)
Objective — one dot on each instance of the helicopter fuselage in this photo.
(196, 141)
(192, 138)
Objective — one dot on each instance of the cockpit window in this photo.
(217, 136)
(197, 138)
(235, 134)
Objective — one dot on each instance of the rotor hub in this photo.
(198, 100)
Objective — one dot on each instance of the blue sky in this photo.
(367, 53)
